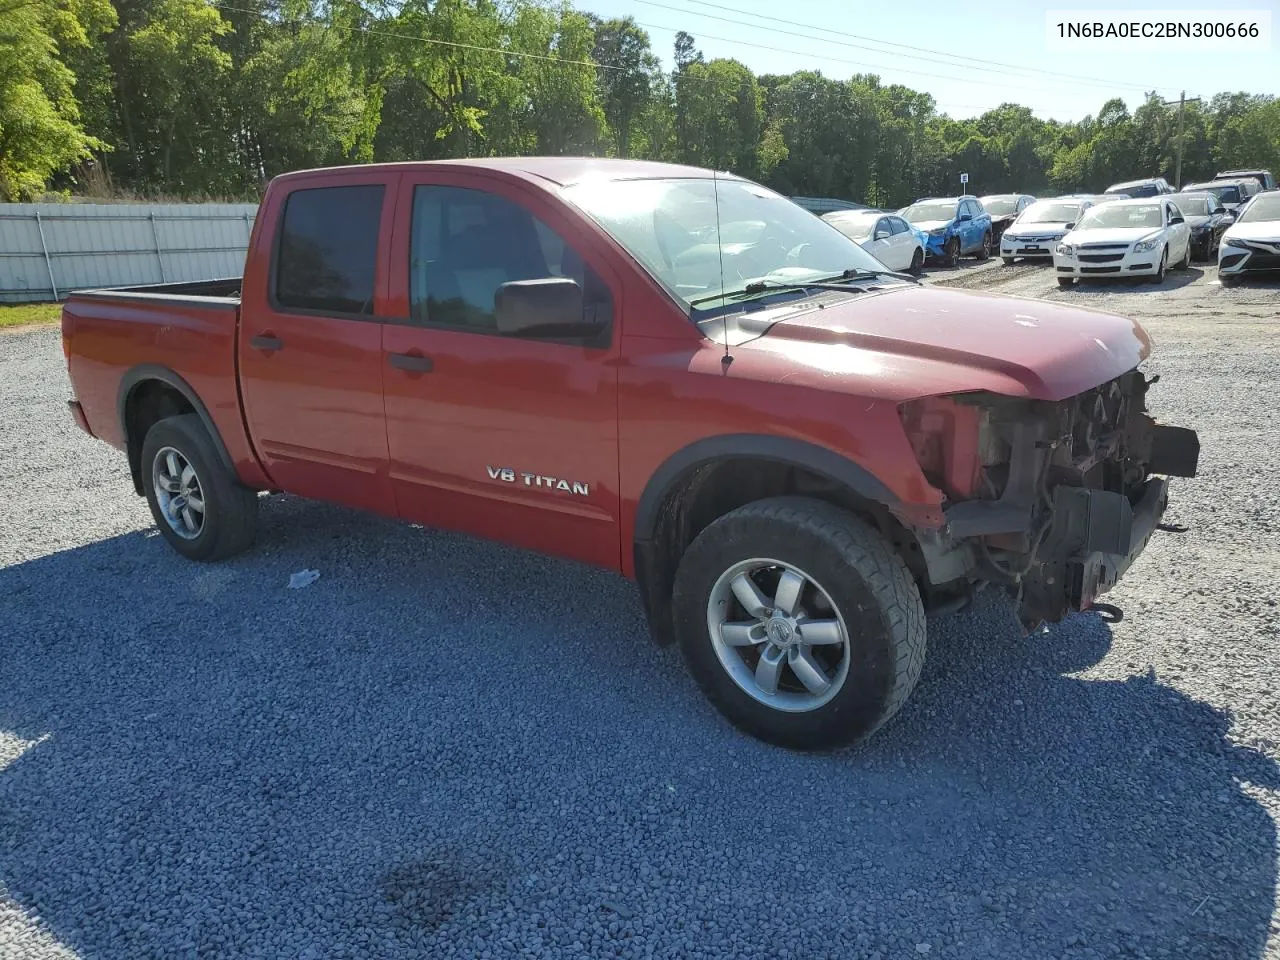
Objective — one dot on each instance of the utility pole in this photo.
(1182, 106)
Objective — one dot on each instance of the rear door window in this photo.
(328, 250)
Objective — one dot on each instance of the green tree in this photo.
(40, 125)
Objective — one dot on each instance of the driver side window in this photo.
(464, 244)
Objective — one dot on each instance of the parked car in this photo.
(956, 227)
(1251, 245)
(1003, 209)
(1231, 193)
(1136, 237)
(1264, 178)
(1037, 230)
(886, 236)
(821, 205)
(1208, 220)
(1150, 187)
(786, 447)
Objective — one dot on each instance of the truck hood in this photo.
(903, 343)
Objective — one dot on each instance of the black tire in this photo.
(868, 585)
(1185, 262)
(1229, 280)
(951, 252)
(1158, 276)
(1066, 282)
(984, 251)
(917, 263)
(1007, 261)
(230, 513)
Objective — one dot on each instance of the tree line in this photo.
(188, 99)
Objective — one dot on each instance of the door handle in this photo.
(268, 343)
(412, 362)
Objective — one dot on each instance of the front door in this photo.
(310, 342)
(511, 438)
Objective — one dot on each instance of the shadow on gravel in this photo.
(1173, 280)
(444, 747)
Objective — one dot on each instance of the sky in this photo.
(1010, 55)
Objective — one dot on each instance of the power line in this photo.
(890, 43)
(820, 56)
(372, 31)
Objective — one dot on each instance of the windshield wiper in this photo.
(839, 282)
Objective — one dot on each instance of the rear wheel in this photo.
(799, 622)
(200, 508)
(984, 251)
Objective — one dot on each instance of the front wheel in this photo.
(917, 262)
(951, 252)
(1007, 261)
(1066, 282)
(1158, 276)
(200, 508)
(1185, 262)
(799, 622)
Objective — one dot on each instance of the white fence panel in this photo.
(50, 249)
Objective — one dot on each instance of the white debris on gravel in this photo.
(458, 750)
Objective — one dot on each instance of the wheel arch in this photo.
(148, 392)
(703, 481)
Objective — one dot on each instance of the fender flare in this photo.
(136, 376)
(795, 453)
(655, 571)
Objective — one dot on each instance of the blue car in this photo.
(955, 227)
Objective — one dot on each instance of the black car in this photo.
(1208, 220)
(1004, 209)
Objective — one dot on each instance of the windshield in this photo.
(858, 229)
(999, 206)
(670, 227)
(930, 210)
(1137, 190)
(1263, 207)
(1227, 193)
(1122, 215)
(1050, 211)
(1192, 206)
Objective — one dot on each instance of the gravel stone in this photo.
(445, 748)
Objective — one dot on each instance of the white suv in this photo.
(1125, 238)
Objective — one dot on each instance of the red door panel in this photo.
(311, 364)
(510, 439)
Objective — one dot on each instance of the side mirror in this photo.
(965, 217)
(1070, 226)
(550, 307)
(881, 235)
(1173, 220)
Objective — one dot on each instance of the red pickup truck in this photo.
(674, 374)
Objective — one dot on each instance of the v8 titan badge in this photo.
(507, 475)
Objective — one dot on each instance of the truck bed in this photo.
(121, 339)
(227, 288)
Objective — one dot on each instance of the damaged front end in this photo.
(1051, 500)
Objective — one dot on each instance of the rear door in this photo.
(311, 341)
(510, 438)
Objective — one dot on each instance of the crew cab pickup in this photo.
(675, 374)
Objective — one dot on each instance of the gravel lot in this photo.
(446, 748)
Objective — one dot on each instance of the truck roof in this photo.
(562, 171)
